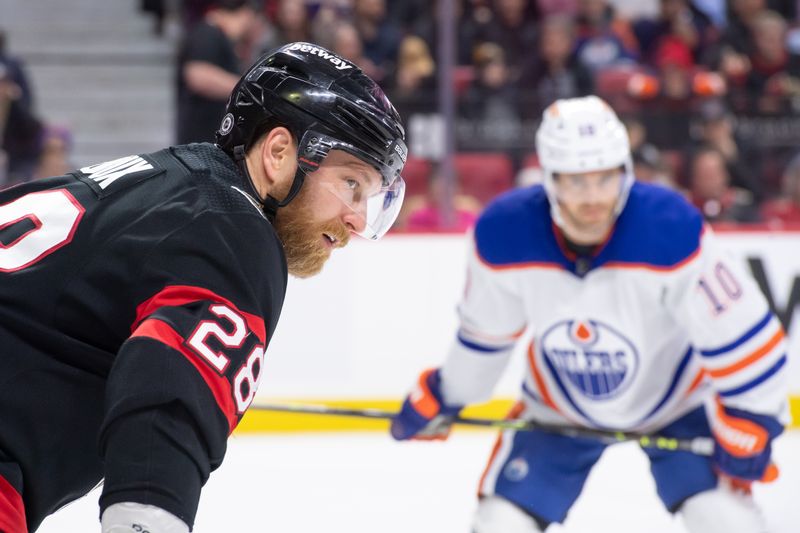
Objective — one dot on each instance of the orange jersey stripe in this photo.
(515, 411)
(492, 456)
(539, 381)
(698, 379)
(750, 359)
(494, 338)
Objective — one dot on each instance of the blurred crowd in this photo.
(29, 147)
(706, 87)
(709, 89)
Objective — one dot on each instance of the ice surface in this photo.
(366, 483)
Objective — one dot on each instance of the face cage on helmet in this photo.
(380, 209)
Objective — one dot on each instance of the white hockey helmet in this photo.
(582, 135)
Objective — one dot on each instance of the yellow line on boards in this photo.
(255, 421)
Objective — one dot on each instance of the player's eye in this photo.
(608, 179)
(577, 182)
(352, 184)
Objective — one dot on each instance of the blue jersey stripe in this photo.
(741, 340)
(482, 348)
(675, 379)
(757, 381)
(532, 395)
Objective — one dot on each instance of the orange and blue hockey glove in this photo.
(743, 444)
(424, 414)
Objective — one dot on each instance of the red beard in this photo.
(303, 241)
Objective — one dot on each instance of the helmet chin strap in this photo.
(270, 204)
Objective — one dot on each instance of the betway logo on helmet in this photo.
(340, 63)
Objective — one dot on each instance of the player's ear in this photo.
(278, 155)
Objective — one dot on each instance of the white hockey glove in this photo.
(129, 517)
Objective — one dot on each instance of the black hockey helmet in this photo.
(327, 103)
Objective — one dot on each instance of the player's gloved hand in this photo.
(744, 444)
(424, 414)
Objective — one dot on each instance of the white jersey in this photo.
(658, 320)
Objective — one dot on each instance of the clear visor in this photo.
(375, 211)
(600, 185)
(376, 203)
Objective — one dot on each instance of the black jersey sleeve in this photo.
(210, 295)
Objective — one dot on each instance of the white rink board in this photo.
(381, 312)
(367, 483)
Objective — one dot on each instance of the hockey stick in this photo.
(697, 445)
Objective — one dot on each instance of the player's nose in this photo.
(354, 221)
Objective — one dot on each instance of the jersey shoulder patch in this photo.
(658, 228)
(516, 229)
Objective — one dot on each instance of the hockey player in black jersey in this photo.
(138, 296)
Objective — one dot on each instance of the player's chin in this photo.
(597, 218)
(308, 260)
(307, 269)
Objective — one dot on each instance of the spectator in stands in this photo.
(157, 8)
(14, 71)
(405, 13)
(786, 208)
(774, 75)
(346, 42)
(715, 10)
(468, 22)
(675, 64)
(737, 33)
(292, 24)
(491, 102)
(648, 163)
(54, 159)
(729, 55)
(650, 167)
(555, 73)
(512, 27)
(604, 40)
(379, 35)
(192, 11)
(711, 192)
(208, 68)
(666, 94)
(20, 129)
(678, 20)
(411, 86)
(716, 128)
(557, 7)
(424, 212)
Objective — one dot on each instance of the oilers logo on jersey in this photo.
(596, 359)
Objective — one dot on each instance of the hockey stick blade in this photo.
(698, 445)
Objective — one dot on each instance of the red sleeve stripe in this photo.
(219, 386)
(177, 295)
(12, 510)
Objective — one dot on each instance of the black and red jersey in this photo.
(137, 298)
